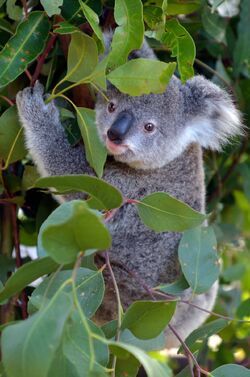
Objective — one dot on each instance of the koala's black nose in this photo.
(120, 127)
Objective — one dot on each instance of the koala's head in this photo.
(149, 131)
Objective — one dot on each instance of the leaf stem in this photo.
(81, 314)
(119, 304)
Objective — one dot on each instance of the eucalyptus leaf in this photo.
(52, 7)
(65, 27)
(199, 259)
(82, 57)
(162, 212)
(214, 25)
(241, 53)
(107, 195)
(196, 339)
(27, 274)
(89, 289)
(175, 288)
(142, 76)
(28, 347)
(231, 370)
(182, 45)
(152, 366)
(24, 47)
(174, 7)
(129, 34)
(14, 11)
(147, 319)
(96, 153)
(93, 20)
(83, 351)
(11, 137)
(71, 228)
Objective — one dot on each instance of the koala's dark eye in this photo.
(149, 127)
(111, 107)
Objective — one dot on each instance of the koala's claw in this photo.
(31, 106)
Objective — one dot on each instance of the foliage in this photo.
(50, 330)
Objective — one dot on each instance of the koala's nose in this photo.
(120, 127)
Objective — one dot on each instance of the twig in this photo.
(27, 72)
(42, 57)
(230, 170)
(25, 8)
(119, 304)
(215, 73)
(9, 101)
(24, 300)
(188, 352)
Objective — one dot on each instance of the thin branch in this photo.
(189, 352)
(41, 59)
(9, 101)
(119, 304)
(215, 73)
(230, 170)
(25, 8)
(28, 74)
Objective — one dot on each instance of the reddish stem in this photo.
(42, 57)
(9, 101)
(28, 74)
(25, 8)
(16, 239)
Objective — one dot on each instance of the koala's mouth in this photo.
(116, 149)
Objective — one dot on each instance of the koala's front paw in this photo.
(32, 109)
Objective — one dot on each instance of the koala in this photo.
(155, 144)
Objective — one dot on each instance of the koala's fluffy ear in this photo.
(211, 116)
(144, 52)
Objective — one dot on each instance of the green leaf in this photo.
(147, 319)
(241, 54)
(89, 289)
(28, 347)
(162, 212)
(153, 344)
(14, 11)
(129, 34)
(176, 7)
(182, 45)
(96, 153)
(93, 20)
(175, 288)
(27, 274)
(142, 76)
(82, 57)
(66, 28)
(199, 259)
(153, 16)
(52, 7)
(196, 339)
(214, 25)
(77, 348)
(234, 272)
(24, 47)
(107, 195)
(11, 137)
(244, 309)
(152, 367)
(231, 370)
(71, 228)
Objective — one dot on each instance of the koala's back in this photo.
(151, 256)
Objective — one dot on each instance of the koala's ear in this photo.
(144, 52)
(211, 116)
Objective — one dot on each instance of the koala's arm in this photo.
(45, 136)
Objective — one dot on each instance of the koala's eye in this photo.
(149, 127)
(111, 107)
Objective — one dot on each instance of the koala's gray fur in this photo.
(169, 159)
